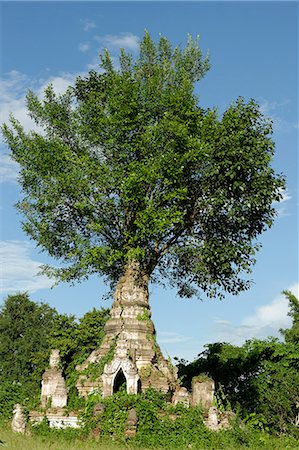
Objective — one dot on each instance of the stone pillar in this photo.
(53, 385)
(203, 389)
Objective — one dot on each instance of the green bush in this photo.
(162, 426)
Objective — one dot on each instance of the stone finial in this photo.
(54, 359)
(226, 418)
(18, 423)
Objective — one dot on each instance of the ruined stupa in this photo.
(53, 392)
(129, 354)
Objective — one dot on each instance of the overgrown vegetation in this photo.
(259, 379)
(28, 331)
(160, 426)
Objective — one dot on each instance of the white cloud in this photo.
(123, 40)
(84, 46)
(9, 169)
(88, 25)
(277, 110)
(266, 321)
(18, 271)
(12, 98)
(280, 206)
(285, 196)
(13, 89)
(268, 107)
(94, 64)
(170, 337)
(60, 83)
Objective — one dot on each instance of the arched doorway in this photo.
(120, 382)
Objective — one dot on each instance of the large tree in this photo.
(130, 177)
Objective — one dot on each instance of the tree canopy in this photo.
(128, 167)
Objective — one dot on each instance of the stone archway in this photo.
(118, 371)
(120, 382)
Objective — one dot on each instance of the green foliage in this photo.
(87, 336)
(155, 429)
(161, 425)
(130, 168)
(28, 331)
(25, 327)
(73, 440)
(292, 335)
(144, 316)
(10, 393)
(261, 378)
(95, 370)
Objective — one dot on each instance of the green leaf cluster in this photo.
(128, 167)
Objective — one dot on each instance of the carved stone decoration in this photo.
(131, 333)
(18, 423)
(98, 409)
(54, 392)
(203, 392)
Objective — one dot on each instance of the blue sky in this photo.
(253, 50)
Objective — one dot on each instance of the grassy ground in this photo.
(17, 441)
(10, 440)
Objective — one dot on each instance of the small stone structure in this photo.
(132, 421)
(133, 358)
(182, 396)
(212, 420)
(203, 389)
(54, 398)
(54, 392)
(18, 423)
(128, 358)
(217, 420)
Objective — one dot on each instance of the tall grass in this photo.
(16, 441)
